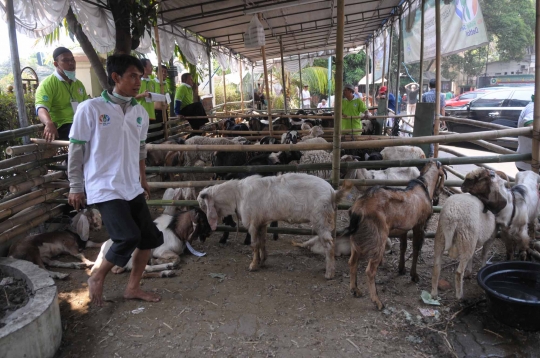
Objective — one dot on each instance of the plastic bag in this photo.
(254, 36)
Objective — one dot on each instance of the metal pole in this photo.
(329, 80)
(437, 73)
(373, 69)
(210, 79)
(400, 39)
(267, 88)
(389, 76)
(336, 145)
(283, 75)
(241, 85)
(224, 91)
(161, 87)
(301, 83)
(16, 67)
(367, 75)
(383, 73)
(535, 163)
(252, 86)
(423, 6)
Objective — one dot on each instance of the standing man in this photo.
(107, 148)
(356, 93)
(525, 143)
(306, 97)
(159, 107)
(383, 93)
(58, 96)
(323, 104)
(352, 107)
(148, 86)
(430, 97)
(412, 97)
(184, 105)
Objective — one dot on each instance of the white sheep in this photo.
(402, 152)
(295, 198)
(314, 132)
(178, 194)
(463, 227)
(206, 156)
(317, 157)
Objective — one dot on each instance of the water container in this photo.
(254, 36)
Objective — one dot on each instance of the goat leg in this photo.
(247, 240)
(418, 241)
(371, 271)
(275, 236)
(254, 266)
(228, 220)
(402, 250)
(353, 271)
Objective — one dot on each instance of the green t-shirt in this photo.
(148, 84)
(56, 95)
(184, 93)
(167, 87)
(355, 107)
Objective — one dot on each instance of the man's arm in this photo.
(44, 101)
(75, 175)
(49, 132)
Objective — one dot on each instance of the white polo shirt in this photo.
(112, 141)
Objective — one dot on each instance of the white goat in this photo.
(463, 227)
(316, 157)
(402, 152)
(515, 209)
(295, 198)
(314, 132)
(178, 194)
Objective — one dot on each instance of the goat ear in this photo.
(83, 228)
(503, 176)
(211, 213)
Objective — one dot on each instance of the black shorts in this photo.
(63, 131)
(130, 226)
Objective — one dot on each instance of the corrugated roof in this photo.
(303, 29)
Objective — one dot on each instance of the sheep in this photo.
(178, 230)
(515, 209)
(178, 194)
(41, 248)
(398, 173)
(314, 132)
(305, 126)
(383, 212)
(292, 197)
(463, 227)
(402, 152)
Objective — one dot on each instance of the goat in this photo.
(515, 209)
(398, 173)
(178, 194)
(314, 132)
(156, 158)
(463, 227)
(41, 248)
(295, 198)
(382, 212)
(402, 152)
(178, 230)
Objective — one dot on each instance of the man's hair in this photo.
(432, 83)
(144, 62)
(184, 77)
(119, 64)
(59, 51)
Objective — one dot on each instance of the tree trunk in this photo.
(88, 49)
(122, 18)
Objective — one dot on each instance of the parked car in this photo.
(499, 107)
(464, 98)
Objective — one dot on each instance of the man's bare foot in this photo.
(138, 294)
(95, 291)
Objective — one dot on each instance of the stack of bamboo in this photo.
(25, 185)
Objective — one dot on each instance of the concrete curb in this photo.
(34, 330)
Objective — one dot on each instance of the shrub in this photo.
(9, 118)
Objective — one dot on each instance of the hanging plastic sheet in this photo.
(97, 24)
(222, 59)
(37, 18)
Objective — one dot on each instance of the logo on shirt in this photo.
(104, 119)
(80, 91)
(45, 98)
(139, 121)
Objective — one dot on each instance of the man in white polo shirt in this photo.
(107, 147)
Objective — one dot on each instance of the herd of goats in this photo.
(488, 206)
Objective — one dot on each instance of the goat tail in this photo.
(345, 189)
(354, 224)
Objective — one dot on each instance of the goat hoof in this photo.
(247, 241)
(168, 273)
(356, 292)
(253, 267)
(415, 278)
(402, 271)
(379, 305)
(329, 275)
(275, 237)
(223, 241)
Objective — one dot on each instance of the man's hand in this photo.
(143, 95)
(50, 132)
(146, 188)
(76, 200)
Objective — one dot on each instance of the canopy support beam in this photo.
(535, 163)
(283, 75)
(161, 87)
(301, 83)
(336, 145)
(422, 8)
(241, 85)
(267, 88)
(437, 74)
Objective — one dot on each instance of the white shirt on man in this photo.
(321, 105)
(112, 141)
(306, 98)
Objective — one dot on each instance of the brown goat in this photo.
(383, 212)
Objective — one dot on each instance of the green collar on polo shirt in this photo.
(107, 98)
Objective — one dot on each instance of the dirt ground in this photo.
(287, 309)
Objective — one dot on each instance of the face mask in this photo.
(120, 97)
(70, 74)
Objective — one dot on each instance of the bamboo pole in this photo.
(373, 69)
(492, 147)
(33, 173)
(56, 184)
(422, 23)
(398, 76)
(21, 199)
(241, 85)
(23, 149)
(368, 104)
(301, 83)
(535, 163)
(23, 159)
(472, 122)
(338, 105)
(15, 209)
(22, 168)
(6, 236)
(11, 196)
(21, 132)
(455, 172)
(283, 74)
(35, 182)
(224, 91)
(161, 79)
(269, 108)
(56, 143)
(438, 92)
(31, 214)
(393, 142)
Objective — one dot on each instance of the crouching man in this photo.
(107, 149)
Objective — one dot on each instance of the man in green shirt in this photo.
(184, 104)
(58, 96)
(147, 86)
(352, 107)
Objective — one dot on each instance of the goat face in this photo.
(290, 137)
(487, 186)
(201, 227)
(206, 203)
